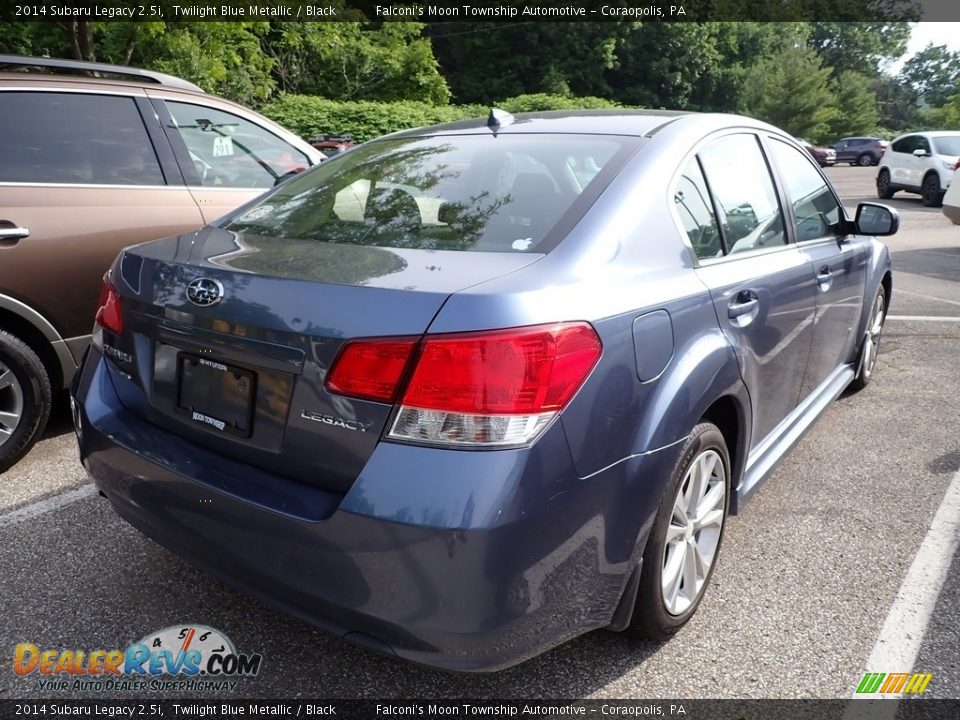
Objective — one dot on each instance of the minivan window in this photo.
(229, 151)
(465, 192)
(744, 192)
(75, 138)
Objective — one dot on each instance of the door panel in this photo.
(75, 233)
(840, 270)
(765, 305)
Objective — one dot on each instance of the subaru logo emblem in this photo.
(205, 292)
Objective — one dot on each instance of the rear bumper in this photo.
(465, 561)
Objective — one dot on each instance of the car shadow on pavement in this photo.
(60, 422)
(940, 263)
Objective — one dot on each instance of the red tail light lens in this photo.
(486, 389)
(109, 315)
(370, 369)
(517, 372)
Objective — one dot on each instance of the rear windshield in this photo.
(947, 145)
(466, 192)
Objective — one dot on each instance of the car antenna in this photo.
(499, 118)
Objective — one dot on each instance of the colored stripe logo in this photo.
(894, 683)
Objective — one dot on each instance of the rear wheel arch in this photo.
(728, 415)
(35, 339)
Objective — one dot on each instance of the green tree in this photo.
(791, 90)
(354, 61)
(484, 62)
(858, 46)
(932, 74)
(856, 105)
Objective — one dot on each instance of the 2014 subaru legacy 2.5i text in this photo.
(465, 392)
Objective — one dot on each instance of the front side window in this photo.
(906, 145)
(744, 193)
(816, 211)
(460, 192)
(75, 138)
(229, 151)
(947, 144)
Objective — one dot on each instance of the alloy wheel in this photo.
(864, 160)
(693, 535)
(872, 341)
(11, 403)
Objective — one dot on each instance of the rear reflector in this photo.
(370, 369)
(491, 388)
(109, 316)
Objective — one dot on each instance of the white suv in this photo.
(919, 163)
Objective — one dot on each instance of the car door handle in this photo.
(744, 303)
(10, 234)
(825, 275)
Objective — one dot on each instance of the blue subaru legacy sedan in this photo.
(465, 392)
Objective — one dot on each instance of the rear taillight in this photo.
(370, 369)
(484, 389)
(109, 316)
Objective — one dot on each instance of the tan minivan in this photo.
(93, 158)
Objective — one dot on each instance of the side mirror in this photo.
(876, 220)
(920, 152)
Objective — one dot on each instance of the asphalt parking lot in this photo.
(829, 572)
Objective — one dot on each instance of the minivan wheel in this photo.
(884, 191)
(684, 543)
(930, 191)
(871, 342)
(25, 399)
(865, 160)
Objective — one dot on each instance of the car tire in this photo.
(25, 399)
(884, 191)
(930, 193)
(871, 341)
(865, 160)
(678, 561)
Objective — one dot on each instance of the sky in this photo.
(938, 33)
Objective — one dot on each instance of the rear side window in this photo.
(230, 151)
(74, 138)
(744, 193)
(692, 202)
(460, 192)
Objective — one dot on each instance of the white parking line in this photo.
(28, 512)
(927, 297)
(902, 633)
(923, 318)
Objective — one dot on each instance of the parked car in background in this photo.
(87, 166)
(332, 144)
(472, 390)
(951, 200)
(863, 151)
(920, 163)
(823, 155)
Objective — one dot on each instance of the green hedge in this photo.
(308, 115)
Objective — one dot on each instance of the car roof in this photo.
(617, 121)
(41, 69)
